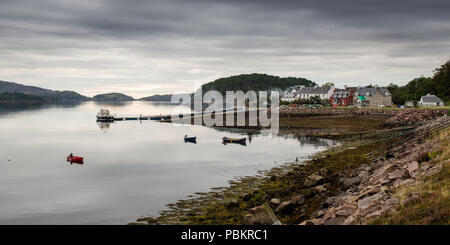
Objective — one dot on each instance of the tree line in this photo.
(438, 84)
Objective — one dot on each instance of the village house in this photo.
(343, 97)
(430, 101)
(323, 93)
(289, 94)
(372, 96)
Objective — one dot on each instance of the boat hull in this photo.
(75, 159)
(241, 141)
(190, 139)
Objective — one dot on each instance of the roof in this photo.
(430, 99)
(361, 98)
(371, 91)
(341, 93)
(315, 90)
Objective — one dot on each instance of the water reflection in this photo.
(11, 108)
(104, 126)
(133, 170)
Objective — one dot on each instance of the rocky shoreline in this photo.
(349, 184)
(368, 189)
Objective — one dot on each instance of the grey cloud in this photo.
(147, 47)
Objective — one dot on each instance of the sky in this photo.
(146, 47)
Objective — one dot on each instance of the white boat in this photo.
(103, 115)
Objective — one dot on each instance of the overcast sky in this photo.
(146, 47)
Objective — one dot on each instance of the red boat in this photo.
(75, 159)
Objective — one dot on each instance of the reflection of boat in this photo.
(241, 141)
(103, 125)
(75, 159)
(104, 116)
(190, 139)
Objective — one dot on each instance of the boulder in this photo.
(400, 173)
(313, 180)
(275, 201)
(288, 206)
(353, 181)
(369, 201)
(307, 222)
(349, 221)
(257, 216)
(382, 172)
(298, 200)
(282, 206)
(412, 167)
(320, 189)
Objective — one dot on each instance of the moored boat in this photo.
(75, 159)
(234, 140)
(103, 115)
(190, 139)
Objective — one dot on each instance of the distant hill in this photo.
(21, 97)
(438, 85)
(157, 97)
(112, 97)
(255, 82)
(52, 95)
(160, 98)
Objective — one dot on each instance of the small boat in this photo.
(241, 141)
(190, 139)
(104, 116)
(75, 159)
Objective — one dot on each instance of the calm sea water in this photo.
(132, 169)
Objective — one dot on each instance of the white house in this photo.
(289, 94)
(322, 92)
(430, 100)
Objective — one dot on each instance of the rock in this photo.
(317, 214)
(320, 189)
(400, 173)
(400, 182)
(282, 206)
(373, 215)
(382, 172)
(353, 181)
(257, 216)
(275, 201)
(307, 222)
(369, 201)
(288, 206)
(298, 200)
(349, 221)
(389, 204)
(433, 170)
(412, 167)
(313, 180)
(425, 165)
(345, 212)
(335, 221)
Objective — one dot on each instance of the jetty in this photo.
(104, 116)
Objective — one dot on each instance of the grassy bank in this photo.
(427, 202)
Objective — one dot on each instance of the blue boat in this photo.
(242, 141)
(190, 139)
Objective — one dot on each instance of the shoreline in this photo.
(297, 192)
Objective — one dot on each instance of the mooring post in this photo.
(271, 214)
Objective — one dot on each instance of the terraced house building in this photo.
(372, 96)
(324, 92)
